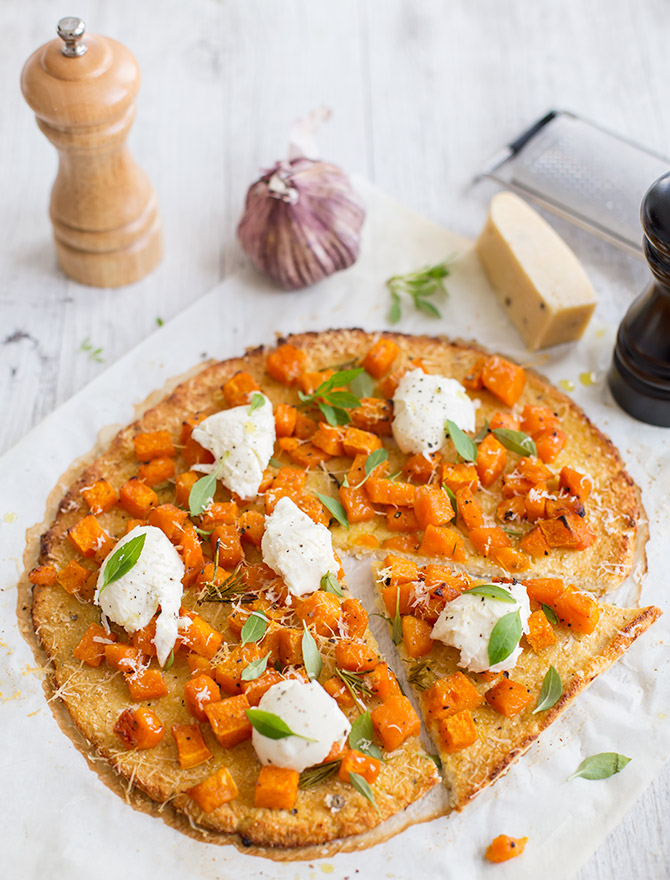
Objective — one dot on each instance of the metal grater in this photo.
(583, 173)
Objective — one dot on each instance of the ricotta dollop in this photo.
(467, 623)
(421, 406)
(297, 548)
(242, 442)
(308, 710)
(155, 579)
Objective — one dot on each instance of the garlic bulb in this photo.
(302, 222)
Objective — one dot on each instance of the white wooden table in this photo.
(422, 94)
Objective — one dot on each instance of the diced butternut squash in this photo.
(90, 539)
(355, 656)
(383, 683)
(146, 684)
(504, 848)
(406, 543)
(137, 498)
(219, 513)
(535, 503)
(511, 510)
(387, 387)
(508, 697)
(356, 503)
(303, 453)
(139, 728)
(491, 460)
(401, 519)
(329, 439)
(374, 415)
(156, 444)
(535, 544)
(170, 520)
(355, 618)
(421, 468)
(290, 646)
(225, 540)
(100, 496)
(239, 388)
(354, 441)
(511, 559)
(442, 541)
(251, 525)
(192, 452)
(577, 611)
(285, 417)
(200, 691)
(213, 792)
(457, 732)
(401, 597)
(200, 636)
(156, 471)
(310, 380)
(450, 695)
(183, 485)
(285, 364)
(73, 577)
(199, 665)
(505, 420)
(254, 690)
(469, 512)
(569, 531)
(229, 721)
(45, 575)
(191, 747)
(289, 483)
(460, 476)
(473, 378)
(540, 632)
(394, 492)
(379, 359)
(544, 590)
(575, 482)
(356, 762)
(487, 540)
(336, 688)
(538, 419)
(416, 636)
(503, 379)
(124, 658)
(395, 721)
(91, 648)
(321, 612)
(191, 552)
(550, 443)
(276, 788)
(399, 571)
(432, 507)
(305, 427)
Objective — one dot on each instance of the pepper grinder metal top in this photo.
(639, 377)
(103, 208)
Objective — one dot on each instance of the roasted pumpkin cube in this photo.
(457, 732)
(44, 576)
(382, 682)
(395, 721)
(91, 647)
(397, 570)
(146, 684)
(285, 364)
(450, 695)
(511, 510)
(276, 788)
(229, 721)
(290, 646)
(503, 379)
(577, 611)
(191, 747)
(251, 525)
(200, 691)
(285, 416)
(73, 577)
(229, 673)
(469, 512)
(139, 728)
(310, 380)
(535, 544)
(100, 496)
(199, 636)
(406, 543)
(336, 688)
(508, 697)
(355, 656)
(329, 438)
(491, 460)
(401, 598)
(473, 378)
(304, 454)
(540, 632)
(504, 420)
(460, 476)
(569, 531)
(321, 612)
(416, 636)
(170, 520)
(254, 690)
(356, 504)
(488, 540)
(510, 558)
(289, 483)
(305, 427)
(550, 443)
(219, 513)
(401, 519)
(213, 792)
(355, 618)
(137, 498)
(394, 492)
(124, 658)
(355, 441)
(537, 419)
(90, 539)
(544, 590)
(442, 541)
(154, 444)
(183, 485)
(354, 761)
(239, 388)
(432, 507)
(379, 358)
(374, 415)
(421, 468)
(156, 471)
(225, 540)
(575, 482)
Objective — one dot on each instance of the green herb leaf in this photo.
(417, 286)
(343, 400)
(271, 725)
(254, 627)
(203, 490)
(465, 447)
(512, 532)
(436, 760)
(516, 441)
(600, 766)
(371, 462)
(329, 584)
(362, 786)
(122, 560)
(361, 735)
(274, 463)
(204, 532)
(310, 654)
(169, 661)
(427, 308)
(257, 401)
(363, 385)
(552, 688)
(334, 417)
(355, 684)
(160, 322)
(492, 591)
(549, 613)
(314, 775)
(481, 434)
(335, 508)
(451, 497)
(255, 669)
(395, 314)
(504, 637)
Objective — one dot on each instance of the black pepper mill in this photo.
(639, 377)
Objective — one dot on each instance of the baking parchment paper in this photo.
(60, 821)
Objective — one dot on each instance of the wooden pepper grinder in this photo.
(639, 377)
(103, 208)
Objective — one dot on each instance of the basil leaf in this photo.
(335, 508)
(516, 441)
(254, 627)
(361, 735)
(363, 787)
(549, 613)
(310, 654)
(552, 688)
(343, 400)
(122, 560)
(203, 489)
(169, 661)
(492, 592)
(341, 378)
(255, 669)
(334, 417)
(274, 463)
(451, 497)
(374, 460)
(329, 584)
(257, 401)
(271, 725)
(481, 434)
(464, 445)
(363, 385)
(600, 766)
(504, 637)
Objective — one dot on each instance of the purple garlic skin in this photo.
(302, 222)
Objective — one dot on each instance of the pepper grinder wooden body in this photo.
(103, 208)
(639, 377)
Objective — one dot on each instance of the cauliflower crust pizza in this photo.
(192, 603)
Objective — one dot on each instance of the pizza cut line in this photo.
(191, 600)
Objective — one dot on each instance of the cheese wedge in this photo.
(537, 278)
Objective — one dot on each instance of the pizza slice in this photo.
(492, 664)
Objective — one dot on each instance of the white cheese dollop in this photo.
(467, 623)
(242, 442)
(421, 406)
(155, 579)
(297, 548)
(308, 710)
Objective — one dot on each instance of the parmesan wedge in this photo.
(537, 278)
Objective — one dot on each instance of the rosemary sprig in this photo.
(355, 685)
(227, 591)
(314, 775)
(331, 400)
(418, 286)
(420, 674)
